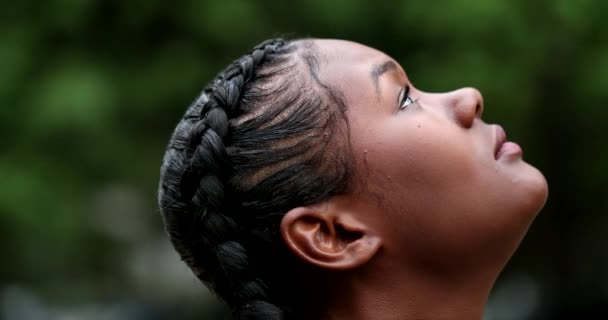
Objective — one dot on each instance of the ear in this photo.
(329, 237)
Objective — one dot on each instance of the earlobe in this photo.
(327, 237)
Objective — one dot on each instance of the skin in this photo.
(435, 216)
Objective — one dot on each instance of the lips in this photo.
(501, 137)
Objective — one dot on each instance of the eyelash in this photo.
(406, 97)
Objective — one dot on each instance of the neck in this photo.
(410, 296)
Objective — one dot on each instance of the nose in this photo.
(465, 105)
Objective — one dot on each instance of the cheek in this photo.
(418, 156)
(424, 175)
(444, 197)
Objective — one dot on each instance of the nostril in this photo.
(479, 101)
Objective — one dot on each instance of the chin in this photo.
(535, 185)
(524, 196)
(529, 197)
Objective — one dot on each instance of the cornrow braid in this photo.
(238, 160)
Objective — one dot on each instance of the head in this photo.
(320, 156)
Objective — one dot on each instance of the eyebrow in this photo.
(381, 69)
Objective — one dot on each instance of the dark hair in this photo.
(262, 138)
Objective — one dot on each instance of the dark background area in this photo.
(90, 91)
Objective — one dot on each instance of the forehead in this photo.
(347, 51)
(348, 66)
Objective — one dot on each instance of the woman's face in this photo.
(431, 174)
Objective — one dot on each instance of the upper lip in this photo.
(500, 137)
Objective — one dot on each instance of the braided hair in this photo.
(265, 136)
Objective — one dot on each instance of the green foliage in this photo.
(90, 91)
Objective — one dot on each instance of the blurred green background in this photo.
(90, 91)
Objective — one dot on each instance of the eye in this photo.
(405, 99)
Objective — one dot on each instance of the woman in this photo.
(312, 180)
